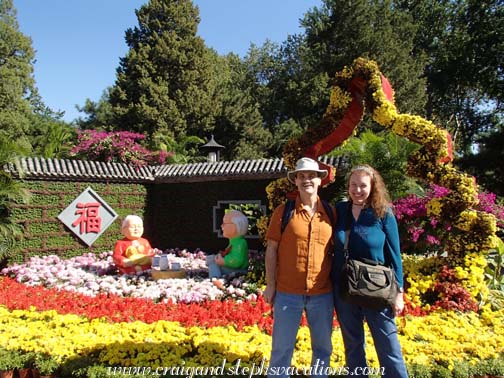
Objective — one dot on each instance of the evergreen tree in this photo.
(486, 165)
(17, 85)
(99, 114)
(277, 81)
(238, 122)
(341, 31)
(164, 83)
(464, 41)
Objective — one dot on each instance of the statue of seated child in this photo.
(235, 257)
(133, 254)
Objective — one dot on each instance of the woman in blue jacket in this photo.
(373, 230)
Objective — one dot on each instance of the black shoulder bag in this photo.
(365, 282)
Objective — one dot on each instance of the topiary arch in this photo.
(362, 85)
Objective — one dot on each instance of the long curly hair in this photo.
(379, 198)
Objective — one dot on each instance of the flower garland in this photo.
(362, 83)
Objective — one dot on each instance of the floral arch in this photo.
(363, 86)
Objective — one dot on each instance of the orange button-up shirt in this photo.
(304, 255)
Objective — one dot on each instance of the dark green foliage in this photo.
(341, 31)
(464, 41)
(239, 125)
(286, 94)
(11, 192)
(388, 154)
(99, 114)
(184, 149)
(16, 73)
(50, 137)
(486, 165)
(23, 116)
(164, 83)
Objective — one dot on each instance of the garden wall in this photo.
(182, 214)
(182, 205)
(45, 234)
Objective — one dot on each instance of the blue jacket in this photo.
(370, 237)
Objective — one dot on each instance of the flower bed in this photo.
(81, 313)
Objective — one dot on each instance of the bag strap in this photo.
(348, 224)
(347, 237)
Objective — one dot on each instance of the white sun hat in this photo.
(306, 164)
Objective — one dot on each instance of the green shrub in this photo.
(46, 364)
(419, 371)
(12, 359)
(461, 369)
(439, 371)
(492, 367)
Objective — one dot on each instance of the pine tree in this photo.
(163, 83)
(341, 31)
(17, 85)
(238, 123)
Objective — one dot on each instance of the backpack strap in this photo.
(289, 211)
(328, 211)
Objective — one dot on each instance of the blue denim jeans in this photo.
(217, 271)
(287, 312)
(383, 330)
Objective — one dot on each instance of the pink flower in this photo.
(432, 240)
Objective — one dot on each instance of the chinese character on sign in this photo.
(89, 219)
(88, 216)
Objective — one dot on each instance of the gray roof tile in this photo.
(35, 168)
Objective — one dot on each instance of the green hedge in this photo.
(44, 233)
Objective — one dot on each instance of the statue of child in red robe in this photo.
(133, 254)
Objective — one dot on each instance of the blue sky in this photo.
(78, 43)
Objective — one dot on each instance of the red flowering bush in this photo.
(452, 296)
(118, 147)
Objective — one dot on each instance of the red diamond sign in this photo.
(88, 216)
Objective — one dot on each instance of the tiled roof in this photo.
(59, 169)
(62, 169)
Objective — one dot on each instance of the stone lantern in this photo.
(213, 149)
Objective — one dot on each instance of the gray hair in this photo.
(239, 220)
(130, 218)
